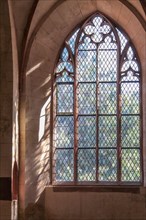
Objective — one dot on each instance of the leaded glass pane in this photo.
(107, 131)
(64, 98)
(87, 98)
(64, 163)
(108, 45)
(130, 165)
(65, 54)
(64, 65)
(130, 131)
(130, 98)
(107, 65)
(130, 77)
(107, 165)
(87, 44)
(72, 41)
(86, 165)
(86, 67)
(123, 40)
(130, 64)
(64, 132)
(64, 78)
(107, 98)
(87, 131)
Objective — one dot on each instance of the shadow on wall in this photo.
(38, 165)
(36, 211)
(37, 139)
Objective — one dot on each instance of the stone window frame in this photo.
(56, 75)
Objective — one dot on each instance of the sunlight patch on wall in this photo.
(34, 68)
(42, 119)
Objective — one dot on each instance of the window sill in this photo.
(120, 189)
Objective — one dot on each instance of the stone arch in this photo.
(38, 69)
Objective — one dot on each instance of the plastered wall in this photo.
(95, 205)
(44, 29)
(43, 53)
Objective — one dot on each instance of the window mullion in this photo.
(118, 115)
(97, 114)
(141, 133)
(75, 121)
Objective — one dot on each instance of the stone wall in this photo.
(6, 92)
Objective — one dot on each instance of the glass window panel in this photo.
(108, 45)
(130, 98)
(86, 44)
(129, 64)
(87, 98)
(64, 164)
(64, 78)
(72, 41)
(107, 164)
(87, 131)
(107, 131)
(130, 77)
(130, 131)
(86, 165)
(67, 65)
(123, 40)
(131, 165)
(65, 54)
(64, 132)
(107, 98)
(64, 98)
(86, 67)
(107, 65)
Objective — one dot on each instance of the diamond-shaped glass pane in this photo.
(108, 45)
(130, 131)
(131, 165)
(64, 78)
(64, 98)
(130, 64)
(64, 132)
(72, 41)
(64, 164)
(65, 54)
(123, 40)
(107, 98)
(107, 131)
(97, 21)
(86, 67)
(107, 165)
(87, 98)
(96, 31)
(87, 131)
(86, 165)
(130, 77)
(107, 65)
(86, 44)
(105, 29)
(130, 98)
(67, 65)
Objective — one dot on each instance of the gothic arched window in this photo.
(97, 107)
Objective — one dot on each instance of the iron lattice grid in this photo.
(98, 128)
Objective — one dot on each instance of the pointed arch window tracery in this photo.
(97, 107)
